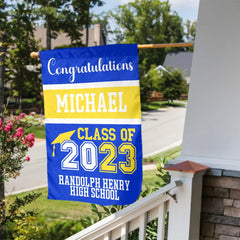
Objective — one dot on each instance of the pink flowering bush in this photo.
(15, 140)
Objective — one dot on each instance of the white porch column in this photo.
(212, 126)
(185, 207)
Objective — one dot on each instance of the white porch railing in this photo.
(132, 217)
(181, 199)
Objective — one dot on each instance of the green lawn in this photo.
(157, 105)
(168, 155)
(39, 131)
(53, 210)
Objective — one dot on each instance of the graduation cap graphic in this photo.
(61, 138)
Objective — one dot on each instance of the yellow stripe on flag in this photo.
(108, 102)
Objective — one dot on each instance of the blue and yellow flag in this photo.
(93, 124)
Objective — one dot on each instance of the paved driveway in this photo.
(161, 129)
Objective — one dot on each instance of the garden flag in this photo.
(93, 123)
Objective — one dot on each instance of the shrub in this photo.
(14, 143)
(172, 84)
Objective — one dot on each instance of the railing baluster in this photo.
(124, 231)
(161, 221)
(107, 236)
(130, 218)
(142, 226)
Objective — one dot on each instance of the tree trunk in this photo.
(87, 23)
(86, 35)
(2, 69)
(48, 30)
(48, 43)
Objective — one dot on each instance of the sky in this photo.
(186, 9)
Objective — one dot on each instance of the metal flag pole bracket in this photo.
(142, 46)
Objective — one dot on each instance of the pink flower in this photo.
(22, 115)
(27, 158)
(30, 137)
(30, 144)
(8, 127)
(9, 120)
(20, 129)
(16, 120)
(1, 124)
(19, 132)
(29, 140)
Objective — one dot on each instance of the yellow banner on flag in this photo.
(107, 102)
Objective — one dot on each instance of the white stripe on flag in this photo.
(92, 121)
(129, 83)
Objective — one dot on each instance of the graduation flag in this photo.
(93, 123)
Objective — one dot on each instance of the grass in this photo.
(39, 131)
(168, 155)
(53, 210)
(150, 177)
(157, 105)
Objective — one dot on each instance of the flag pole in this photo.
(165, 45)
(142, 46)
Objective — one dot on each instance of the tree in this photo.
(172, 84)
(103, 19)
(3, 23)
(72, 27)
(149, 82)
(82, 12)
(23, 80)
(147, 21)
(52, 14)
(190, 30)
(190, 33)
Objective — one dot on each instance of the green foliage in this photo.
(52, 13)
(17, 221)
(22, 224)
(168, 155)
(39, 131)
(103, 19)
(81, 11)
(62, 230)
(27, 228)
(3, 47)
(172, 84)
(14, 143)
(23, 80)
(149, 106)
(190, 33)
(148, 83)
(147, 21)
